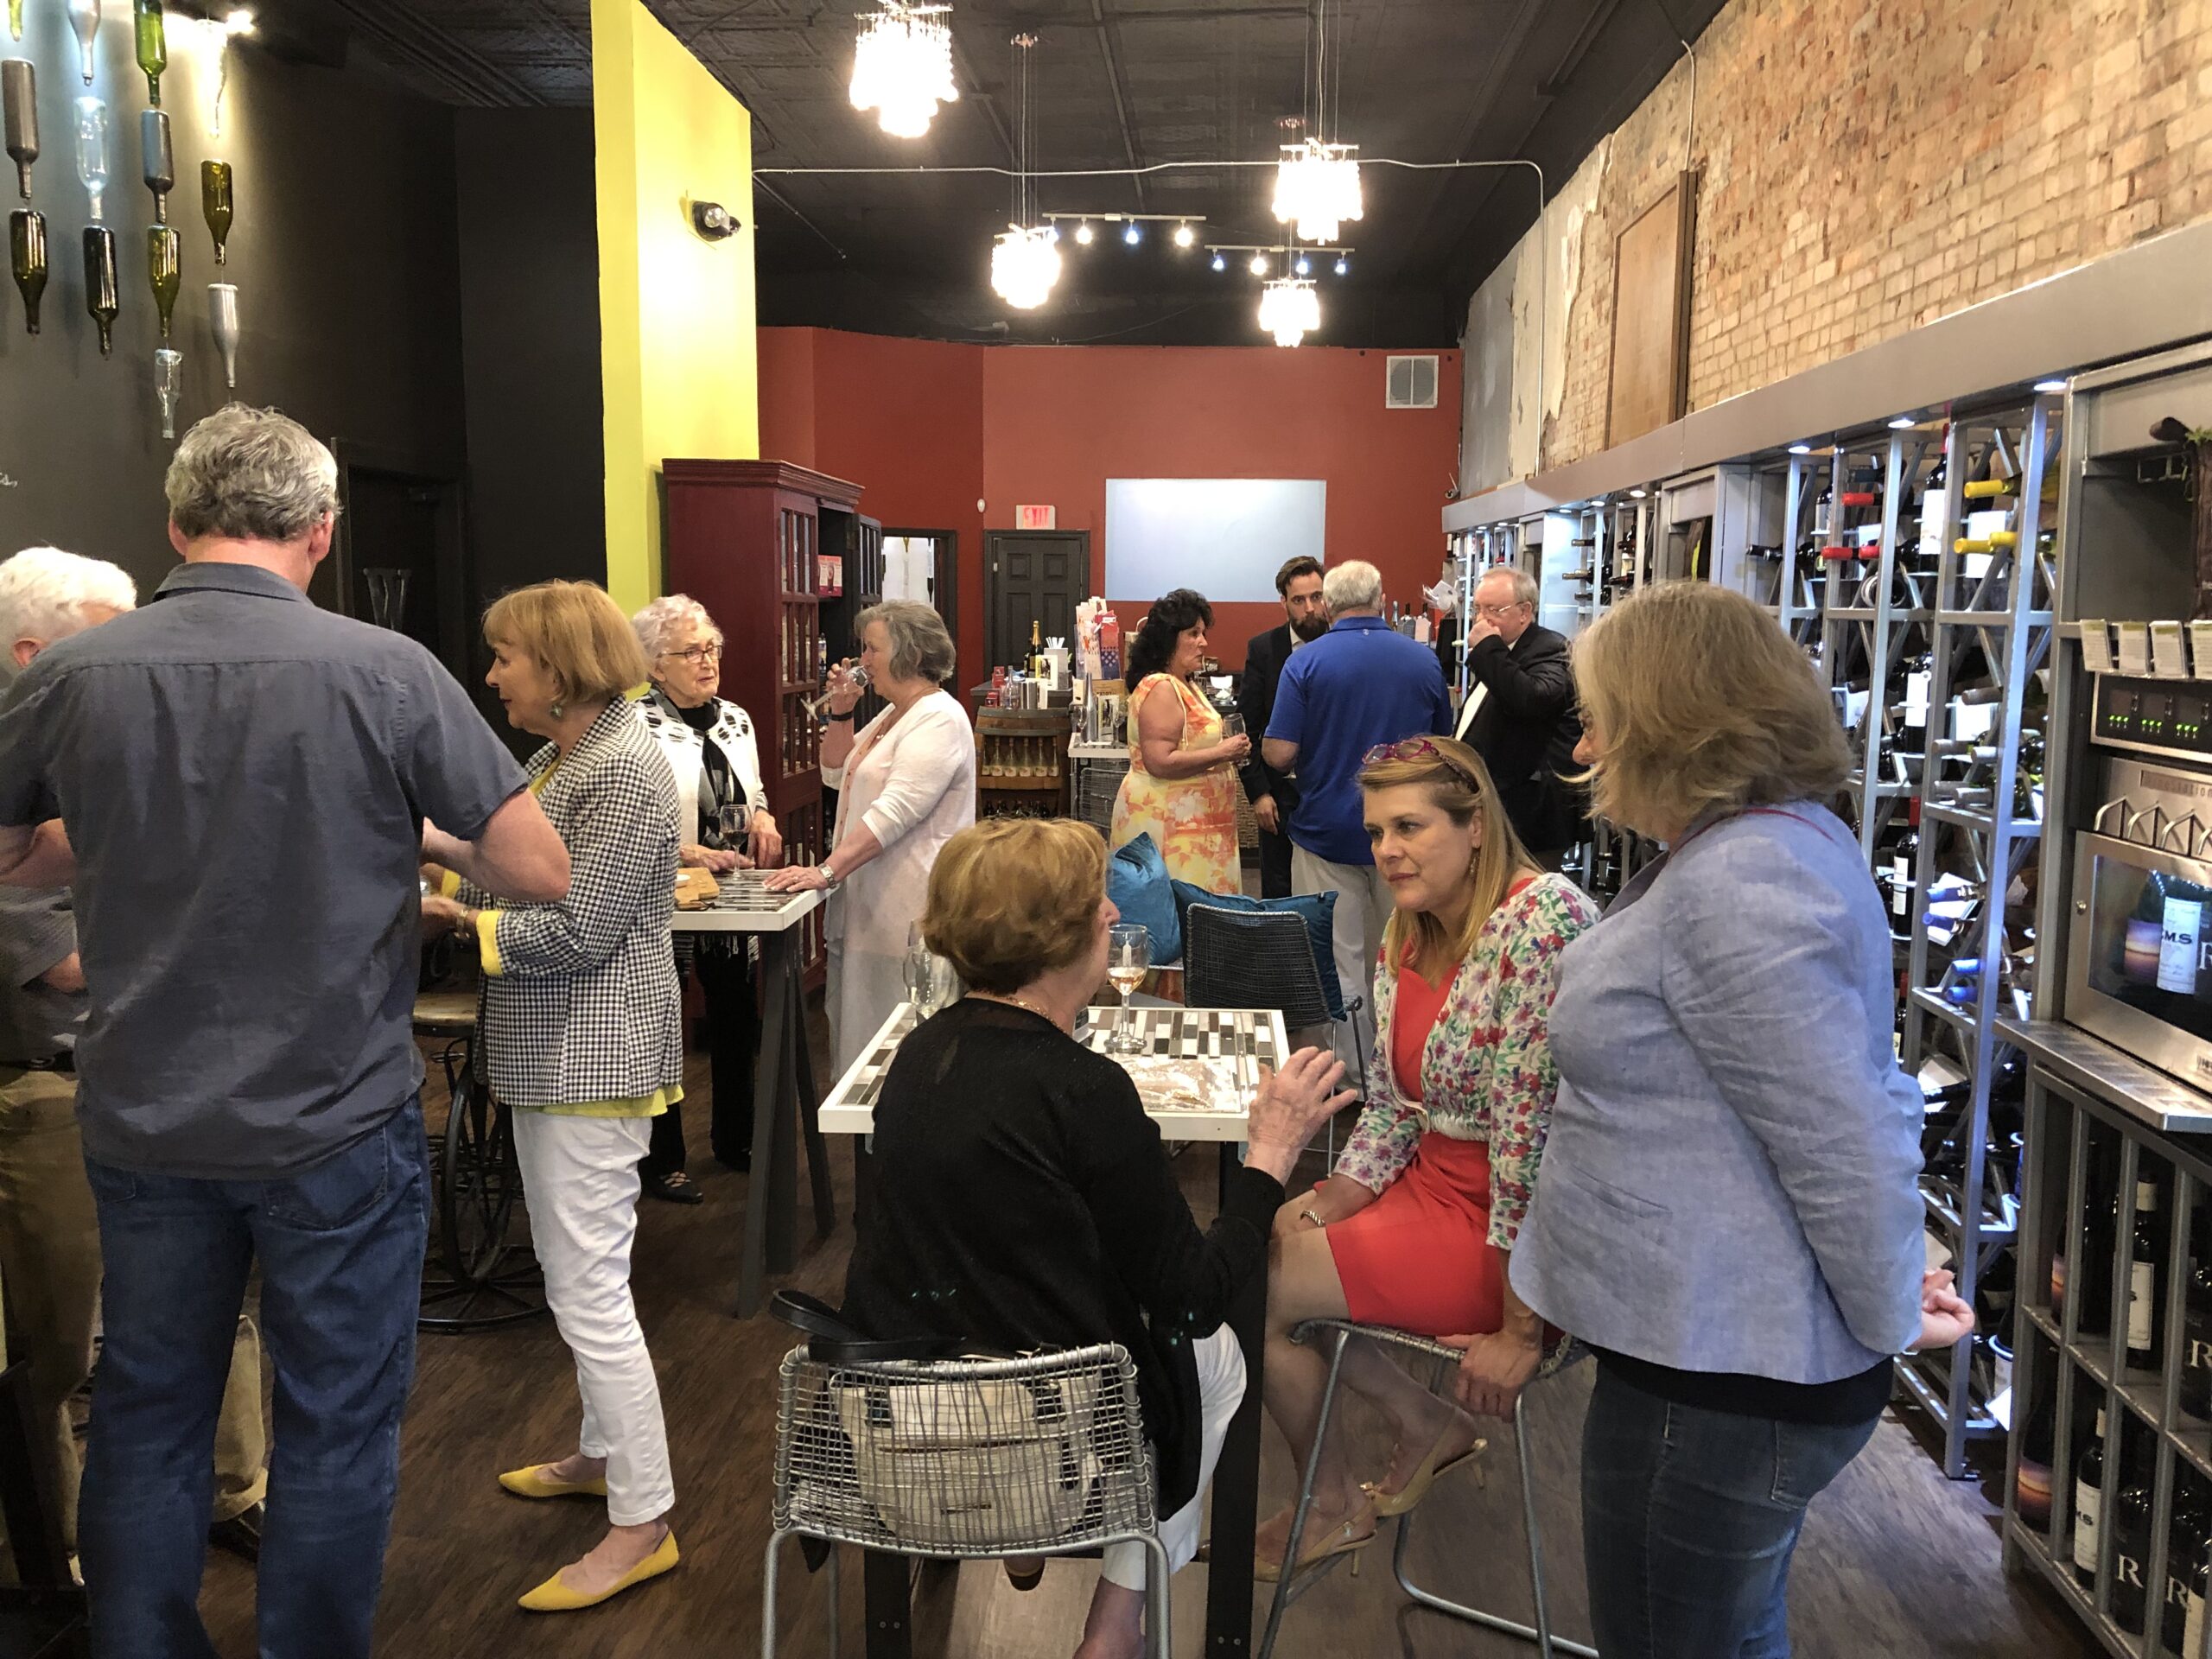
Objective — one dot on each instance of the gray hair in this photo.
(1524, 585)
(251, 475)
(659, 624)
(1355, 585)
(44, 591)
(920, 648)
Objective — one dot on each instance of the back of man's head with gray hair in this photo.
(1355, 585)
(251, 475)
(44, 593)
(659, 623)
(1521, 584)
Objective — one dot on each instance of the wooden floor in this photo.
(1895, 1561)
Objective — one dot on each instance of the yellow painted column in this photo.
(675, 311)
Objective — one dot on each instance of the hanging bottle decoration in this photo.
(161, 160)
(102, 297)
(15, 19)
(91, 152)
(153, 45)
(223, 316)
(27, 256)
(216, 206)
(19, 108)
(84, 20)
(221, 31)
(165, 270)
(168, 382)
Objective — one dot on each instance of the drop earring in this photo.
(559, 710)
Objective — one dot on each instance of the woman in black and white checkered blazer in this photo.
(581, 1036)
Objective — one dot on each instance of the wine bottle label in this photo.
(1900, 885)
(2192, 1631)
(2197, 1366)
(1917, 685)
(2142, 1298)
(2177, 944)
(2089, 1504)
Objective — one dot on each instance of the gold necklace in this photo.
(1024, 1004)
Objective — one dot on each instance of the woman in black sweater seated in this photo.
(1024, 1201)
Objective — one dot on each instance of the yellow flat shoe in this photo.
(534, 1482)
(555, 1597)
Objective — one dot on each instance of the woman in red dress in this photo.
(1414, 1226)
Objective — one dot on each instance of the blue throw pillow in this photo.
(1316, 910)
(1136, 881)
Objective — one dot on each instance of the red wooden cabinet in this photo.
(744, 538)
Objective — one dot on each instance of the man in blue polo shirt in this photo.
(1359, 685)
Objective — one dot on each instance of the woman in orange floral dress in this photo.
(1181, 788)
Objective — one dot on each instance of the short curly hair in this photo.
(1011, 899)
(1154, 648)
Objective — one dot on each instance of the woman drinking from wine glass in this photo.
(1181, 787)
(724, 819)
(906, 786)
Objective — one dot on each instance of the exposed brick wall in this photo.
(1869, 167)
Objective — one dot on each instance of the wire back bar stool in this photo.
(965, 1460)
(1434, 1365)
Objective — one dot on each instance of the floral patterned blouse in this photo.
(1486, 1073)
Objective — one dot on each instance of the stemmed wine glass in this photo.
(931, 986)
(1128, 958)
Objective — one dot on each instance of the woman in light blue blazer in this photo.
(1727, 1214)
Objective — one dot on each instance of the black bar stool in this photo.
(481, 1272)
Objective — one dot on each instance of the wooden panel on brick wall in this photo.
(1651, 316)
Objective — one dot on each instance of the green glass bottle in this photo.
(26, 255)
(153, 45)
(15, 18)
(102, 297)
(216, 205)
(165, 270)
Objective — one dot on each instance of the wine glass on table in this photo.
(733, 827)
(1128, 959)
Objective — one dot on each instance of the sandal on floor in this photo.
(676, 1187)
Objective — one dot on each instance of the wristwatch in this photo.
(829, 876)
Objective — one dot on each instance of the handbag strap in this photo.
(832, 1341)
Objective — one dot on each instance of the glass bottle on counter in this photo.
(2089, 1503)
(2146, 1274)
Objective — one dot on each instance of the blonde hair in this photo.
(576, 633)
(1700, 701)
(1459, 785)
(1011, 899)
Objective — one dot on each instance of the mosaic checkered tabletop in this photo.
(1248, 1043)
(746, 906)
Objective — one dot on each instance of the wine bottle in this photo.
(19, 109)
(216, 206)
(15, 19)
(223, 319)
(2131, 1550)
(85, 21)
(2088, 1503)
(164, 271)
(1919, 680)
(102, 298)
(2197, 1323)
(27, 257)
(2031, 1481)
(2200, 1583)
(159, 155)
(153, 45)
(2184, 1538)
(2145, 1279)
(1934, 496)
(168, 382)
(91, 152)
(1904, 869)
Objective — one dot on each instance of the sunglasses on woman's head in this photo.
(1417, 748)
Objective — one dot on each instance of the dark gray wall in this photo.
(344, 252)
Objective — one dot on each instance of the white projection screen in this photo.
(1225, 536)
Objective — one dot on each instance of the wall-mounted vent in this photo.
(1413, 382)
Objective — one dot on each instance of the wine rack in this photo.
(1021, 763)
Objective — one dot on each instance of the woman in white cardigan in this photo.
(906, 786)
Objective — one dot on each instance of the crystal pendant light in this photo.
(1317, 189)
(1024, 266)
(1290, 310)
(902, 66)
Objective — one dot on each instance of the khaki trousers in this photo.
(50, 1273)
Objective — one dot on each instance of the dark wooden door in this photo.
(1031, 575)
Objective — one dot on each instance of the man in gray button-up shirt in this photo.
(244, 778)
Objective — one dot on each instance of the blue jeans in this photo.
(1689, 1519)
(340, 1249)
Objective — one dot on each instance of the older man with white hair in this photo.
(1359, 686)
(49, 1232)
(245, 779)
(1519, 713)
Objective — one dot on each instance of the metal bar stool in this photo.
(965, 1460)
(478, 1274)
(1441, 1363)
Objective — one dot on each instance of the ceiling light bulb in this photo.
(1219, 263)
(1302, 267)
(1024, 266)
(2050, 385)
(239, 22)
(1185, 236)
(1637, 495)
(1084, 234)
(1135, 234)
(1801, 448)
(902, 66)
(1259, 264)
(1343, 266)
(1902, 424)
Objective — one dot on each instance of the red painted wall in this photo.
(930, 428)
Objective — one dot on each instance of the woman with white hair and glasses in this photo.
(906, 786)
(723, 816)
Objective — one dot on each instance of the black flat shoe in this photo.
(741, 1162)
(240, 1535)
(675, 1187)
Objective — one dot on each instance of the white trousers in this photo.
(1221, 1390)
(580, 1179)
(1363, 906)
